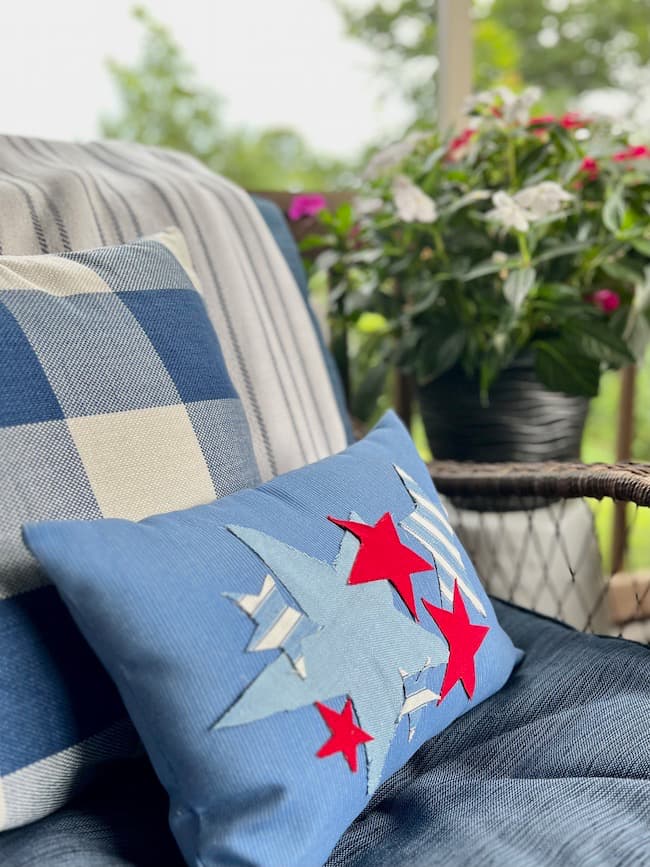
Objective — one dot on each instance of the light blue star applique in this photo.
(363, 646)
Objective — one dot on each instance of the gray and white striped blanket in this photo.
(63, 196)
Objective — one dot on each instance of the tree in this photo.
(162, 103)
(566, 46)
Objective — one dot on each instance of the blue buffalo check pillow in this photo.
(115, 401)
(282, 651)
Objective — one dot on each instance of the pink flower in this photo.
(633, 152)
(606, 299)
(590, 167)
(458, 145)
(306, 205)
(573, 120)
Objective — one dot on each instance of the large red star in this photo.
(383, 556)
(464, 639)
(346, 735)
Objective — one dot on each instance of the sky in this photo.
(276, 62)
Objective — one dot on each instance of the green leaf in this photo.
(517, 287)
(462, 202)
(642, 245)
(599, 341)
(485, 269)
(621, 272)
(560, 250)
(641, 300)
(614, 210)
(343, 219)
(313, 242)
(438, 352)
(559, 368)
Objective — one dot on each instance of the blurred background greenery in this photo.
(585, 54)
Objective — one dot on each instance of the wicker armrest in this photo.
(624, 482)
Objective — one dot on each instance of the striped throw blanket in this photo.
(61, 196)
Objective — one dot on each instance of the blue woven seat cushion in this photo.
(283, 650)
(553, 769)
(115, 400)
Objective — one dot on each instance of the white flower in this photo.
(515, 107)
(509, 213)
(484, 97)
(393, 154)
(542, 200)
(411, 203)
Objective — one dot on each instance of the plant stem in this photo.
(523, 248)
(440, 247)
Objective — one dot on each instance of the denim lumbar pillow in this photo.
(114, 402)
(283, 650)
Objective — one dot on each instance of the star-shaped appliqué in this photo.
(358, 652)
(464, 639)
(383, 556)
(279, 626)
(429, 524)
(346, 736)
(417, 696)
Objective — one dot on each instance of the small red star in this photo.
(383, 557)
(346, 735)
(464, 639)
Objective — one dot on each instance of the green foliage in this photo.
(566, 46)
(583, 42)
(403, 35)
(521, 234)
(162, 103)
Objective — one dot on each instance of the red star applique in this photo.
(346, 735)
(383, 556)
(464, 639)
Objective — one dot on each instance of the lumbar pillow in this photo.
(283, 650)
(114, 401)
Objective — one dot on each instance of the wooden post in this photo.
(455, 57)
(624, 437)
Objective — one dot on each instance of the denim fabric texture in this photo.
(235, 633)
(552, 770)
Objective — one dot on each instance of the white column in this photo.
(455, 54)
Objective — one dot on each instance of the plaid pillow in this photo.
(114, 402)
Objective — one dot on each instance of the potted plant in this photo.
(504, 269)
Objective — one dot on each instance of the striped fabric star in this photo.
(279, 626)
(429, 525)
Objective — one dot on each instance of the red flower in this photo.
(542, 120)
(633, 152)
(573, 120)
(306, 205)
(457, 145)
(606, 299)
(590, 167)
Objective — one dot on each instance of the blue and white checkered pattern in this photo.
(115, 401)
